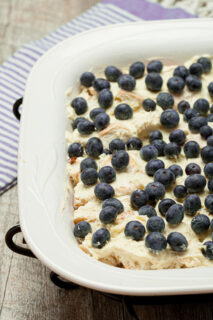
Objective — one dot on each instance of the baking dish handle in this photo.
(16, 108)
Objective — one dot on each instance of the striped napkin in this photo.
(14, 72)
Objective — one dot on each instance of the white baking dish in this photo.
(46, 227)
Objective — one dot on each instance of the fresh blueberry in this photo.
(94, 147)
(104, 191)
(176, 169)
(85, 127)
(88, 163)
(101, 121)
(86, 79)
(155, 224)
(207, 250)
(210, 185)
(169, 118)
(154, 81)
(183, 106)
(123, 112)
(89, 176)
(79, 104)
(134, 143)
(100, 238)
(192, 168)
(207, 154)
(165, 176)
(200, 223)
(206, 64)
(138, 198)
(196, 69)
(206, 131)
(116, 145)
(201, 106)
(155, 241)
(155, 135)
(75, 150)
(96, 111)
(100, 84)
(210, 88)
(177, 241)
(108, 215)
(209, 203)
(126, 82)
(164, 205)
(191, 149)
(209, 117)
(172, 150)
(155, 191)
(195, 183)
(155, 66)
(107, 174)
(82, 229)
(175, 214)
(180, 192)
(181, 71)
(147, 210)
(165, 100)
(193, 83)
(76, 122)
(120, 160)
(176, 84)
(153, 165)
(134, 230)
(114, 203)
(188, 114)
(196, 123)
(112, 73)
(178, 136)
(208, 170)
(192, 205)
(149, 105)
(106, 151)
(136, 69)
(105, 98)
(210, 141)
(159, 145)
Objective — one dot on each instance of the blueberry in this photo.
(82, 229)
(201, 106)
(169, 118)
(147, 210)
(207, 154)
(210, 185)
(86, 79)
(159, 145)
(210, 88)
(136, 69)
(85, 127)
(207, 250)
(208, 170)
(126, 82)
(181, 71)
(183, 106)
(148, 152)
(114, 203)
(107, 174)
(154, 81)
(192, 205)
(155, 241)
(188, 114)
(106, 151)
(155, 191)
(120, 160)
(75, 150)
(155, 224)
(176, 84)
(108, 215)
(123, 112)
(180, 192)
(149, 105)
(206, 131)
(100, 238)
(209, 203)
(178, 136)
(200, 223)
(105, 98)
(155, 135)
(112, 73)
(104, 191)
(134, 143)
(209, 117)
(116, 145)
(191, 149)
(165, 100)
(172, 150)
(193, 83)
(89, 176)
(100, 84)
(165, 176)
(94, 147)
(164, 205)
(175, 214)
(196, 123)
(177, 241)
(153, 165)
(210, 141)
(138, 198)
(76, 122)
(192, 168)
(101, 121)
(154, 66)
(88, 163)
(206, 64)
(196, 69)
(176, 169)
(195, 183)
(96, 111)
(79, 104)
(134, 230)
(211, 109)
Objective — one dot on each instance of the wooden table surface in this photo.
(25, 290)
